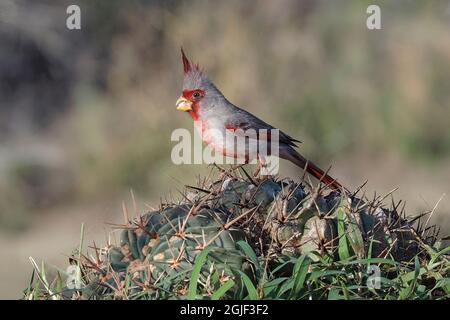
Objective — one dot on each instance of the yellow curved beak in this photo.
(183, 104)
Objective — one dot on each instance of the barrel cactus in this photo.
(251, 228)
(293, 218)
(161, 247)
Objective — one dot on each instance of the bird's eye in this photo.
(196, 94)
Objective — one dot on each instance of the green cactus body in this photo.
(277, 218)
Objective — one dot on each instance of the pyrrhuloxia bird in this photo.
(214, 116)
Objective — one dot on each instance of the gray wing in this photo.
(241, 119)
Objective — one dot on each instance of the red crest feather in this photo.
(187, 65)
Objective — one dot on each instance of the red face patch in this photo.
(193, 95)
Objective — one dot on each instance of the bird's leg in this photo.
(258, 169)
(261, 164)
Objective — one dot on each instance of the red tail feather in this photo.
(314, 170)
(326, 179)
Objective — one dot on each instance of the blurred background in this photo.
(86, 115)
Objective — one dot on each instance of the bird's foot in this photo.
(257, 171)
(261, 167)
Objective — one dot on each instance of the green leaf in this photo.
(421, 288)
(443, 283)
(387, 282)
(440, 253)
(199, 262)
(272, 285)
(215, 277)
(300, 271)
(374, 261)
(59, 283)
(369, 251)
(354, 234)
(251, 255)
(30, 285)
(333, 294)
(345, 291)
(286, 286)
(127, 282)
(222, 290)
(251, 290)
(343, 245)
(282, 265)
(37, 291)
(406, 292)
(325, 273)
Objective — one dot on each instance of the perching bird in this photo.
(215, 118)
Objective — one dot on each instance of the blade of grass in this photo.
(440, 253)
(43, 280)
(199, 262)
(222, 290)
(80, 248)
(374, 261)
(272, 285)
(333, 294)
(251, 290)
(406, 292)
(251, 255)
(325, 273)
(354, 234)
(443, 283)
(343, 244)
(29, 290)
(299, 274)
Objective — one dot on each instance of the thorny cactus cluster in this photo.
(231, 214)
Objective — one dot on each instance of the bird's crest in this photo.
(194, 78)
(187, 65)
